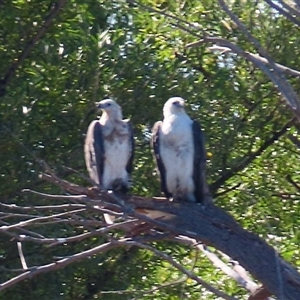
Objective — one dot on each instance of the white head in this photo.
(110, 108)
(174, 106)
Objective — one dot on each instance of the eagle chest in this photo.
(178, 139)
(116, 146)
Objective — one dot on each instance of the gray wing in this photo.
(201, 188)
(160, 164)
(94, 151)
(129, 165)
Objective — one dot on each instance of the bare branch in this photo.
(209, 224)
(145, 292)
(292, 182)
(73, 188)
(277, 77)
(22, 258)
(284, 12)
(25, 231)
(78, 197)
(57, 265)
(256, 59)
(241, 278)
(75, 238)
(37, 219)
(239, 166)
(42, 207)
(177, 266)
(289, 8)
(247, 284)
(264, 61)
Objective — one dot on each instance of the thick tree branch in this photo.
(261, 294)
(179, 267)
(214, 227)
(264, 61)
(285, 13)
(293, 11)
(208, 224)
(230, 47)
(238, 273)
(273, 73)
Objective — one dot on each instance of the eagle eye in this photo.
(175, 102)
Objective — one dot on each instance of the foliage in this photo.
(122, 50)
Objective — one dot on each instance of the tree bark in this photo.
(210, 225)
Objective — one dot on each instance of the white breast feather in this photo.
(117, 153)
(177, 153)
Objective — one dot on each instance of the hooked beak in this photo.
(179, 104)
(101, 105)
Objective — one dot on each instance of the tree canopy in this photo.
(236, 63)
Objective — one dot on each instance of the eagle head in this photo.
(174, 105)
(111, 108)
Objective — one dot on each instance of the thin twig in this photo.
(22, 258)
(23, 230)
(69, 197)
(58, 264)
(177, 266)
(75, 238)
(37, 219)
(163, 13)
(43, 207)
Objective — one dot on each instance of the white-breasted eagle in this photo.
(109, 148)
(180, 155)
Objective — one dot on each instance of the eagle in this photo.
(109, 149)
(179, 151)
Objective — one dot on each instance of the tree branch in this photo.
(214, 227)
(237, 167)
(29, 46)
(284, 12)
(37, 219)
(57, 264)
(255, 58)
(178, 266)
(208, 224)
(264, 61)
(273, 73)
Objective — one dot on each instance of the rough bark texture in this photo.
(212, 226)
